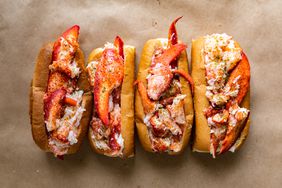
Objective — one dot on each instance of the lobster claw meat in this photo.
(169, 55)
(71, 37)
(159, 81)
(64, 50)
(243, 70)
(160, 70)
(53, 108)
(108, 76)
(161, 74)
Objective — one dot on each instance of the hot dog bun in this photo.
(144, 65)
(38, 89)
(127, 99)
(202, 131)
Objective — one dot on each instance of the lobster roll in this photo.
(221, 72)
(60, 96)
(163, 105)
(111, 76)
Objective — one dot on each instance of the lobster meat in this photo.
(108, 76)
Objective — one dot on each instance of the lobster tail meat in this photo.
(108, 76)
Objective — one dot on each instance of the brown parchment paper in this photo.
(27, 24)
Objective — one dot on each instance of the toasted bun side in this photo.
(202, 130)
(127, 98)
(37, 91)
(201, 141)
(30, 103)
(144, 66)
(38, 88)
(127, 102)
(92, 143)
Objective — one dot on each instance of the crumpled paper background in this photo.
(27, 24)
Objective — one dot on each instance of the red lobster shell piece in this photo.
(119, 45)
(172, 33)
(109, 75)
(173, 39)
